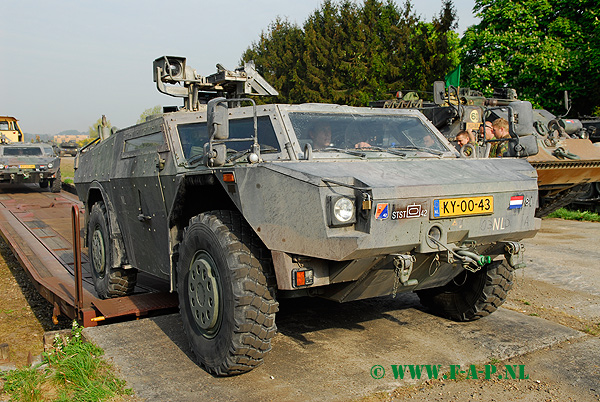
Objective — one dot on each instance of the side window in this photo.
(147, 143)
(193, 136)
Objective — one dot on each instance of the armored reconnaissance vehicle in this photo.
(68, 148)
(30, 163)
(566, 161)
(26, 163)
(238, 205)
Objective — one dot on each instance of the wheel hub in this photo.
(204, 293)
(98, 255)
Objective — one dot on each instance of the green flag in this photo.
(453, 77)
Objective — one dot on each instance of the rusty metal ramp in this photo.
(38, 226)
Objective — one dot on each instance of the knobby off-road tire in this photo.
(56, 183)
(108, 282)
(227, 306)
(471, 296)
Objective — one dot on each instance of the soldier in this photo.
(500, 129)
(463, 138)
(321, 136)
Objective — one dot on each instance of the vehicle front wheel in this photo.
(471, 295)
(108, 281)
(227, 306)
(56, 183)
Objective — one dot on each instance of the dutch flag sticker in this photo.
(516, 201)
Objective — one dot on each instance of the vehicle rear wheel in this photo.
(471, 295)
(227, 306)
(108, 282)
(56, 183)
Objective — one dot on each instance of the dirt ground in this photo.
(25, 316)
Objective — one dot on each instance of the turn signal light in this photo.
(302, 277)
(228, 177)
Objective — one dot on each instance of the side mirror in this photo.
(439, 92)
(523, 146)
(520, 118)
(215, 157)
(218, 119)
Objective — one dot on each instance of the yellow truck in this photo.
(10, 130)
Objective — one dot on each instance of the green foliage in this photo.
(149, 112)
(352, 53)
(74, 372)
(539, 47)
(93, 129)
(563, 213)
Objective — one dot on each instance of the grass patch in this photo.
(67, 169)
(68, 181)
(564, 213)
(71, 371)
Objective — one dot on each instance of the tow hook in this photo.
(472, 261)
(403, 264)
(514, 252)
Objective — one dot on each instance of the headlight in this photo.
(50, 165)
(341, 211)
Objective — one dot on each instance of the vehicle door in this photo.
(140, 198)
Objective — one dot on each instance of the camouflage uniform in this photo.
(498, 149)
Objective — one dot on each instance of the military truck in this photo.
(30, 163)
(567, 163)
(10, 130)
(239, 205)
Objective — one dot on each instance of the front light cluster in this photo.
(342, 211)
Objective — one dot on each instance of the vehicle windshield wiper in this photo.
(380, 149)
(417, 148)
(264, 149)
(345, 151)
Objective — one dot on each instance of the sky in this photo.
(66, 63)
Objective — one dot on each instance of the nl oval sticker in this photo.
(448, 207)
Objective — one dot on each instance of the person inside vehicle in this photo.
(462, 138)
(320, 134)
(500, 129)
(489, 132)
(428, 141)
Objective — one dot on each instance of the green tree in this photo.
(539, 47)
(149, 112)
(352, 53)
(93, 129)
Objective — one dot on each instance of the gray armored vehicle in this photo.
(30, 163)
(238, 205)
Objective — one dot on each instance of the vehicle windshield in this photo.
(344, 131)
(22, 151)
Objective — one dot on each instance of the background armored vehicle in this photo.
(238, 206)
(30, 163)
(10, 130)
(68, 148)
(567, 163)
